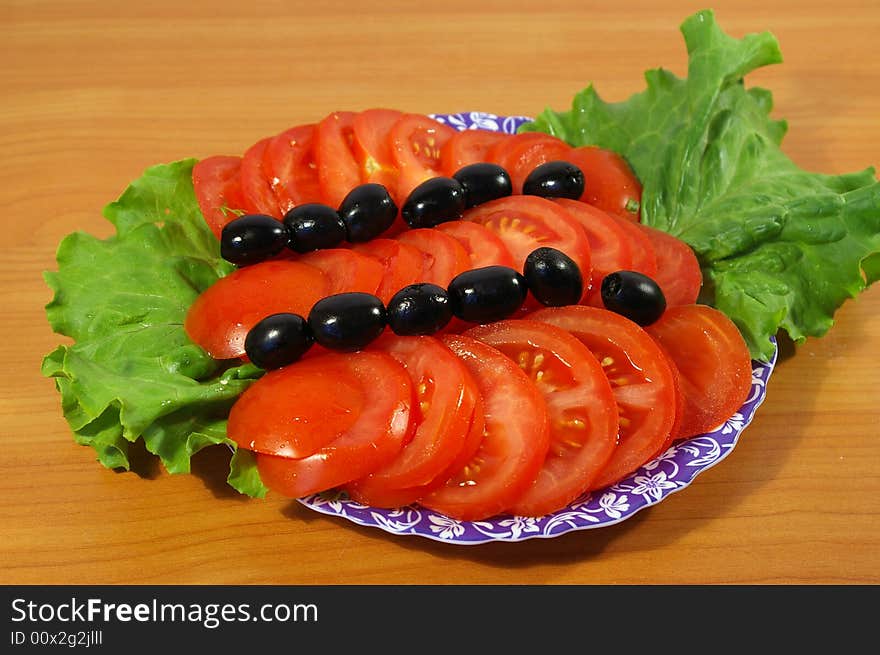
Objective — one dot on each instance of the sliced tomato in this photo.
(468, 147)
(644, 256)
(289, 161)
(524, 223)
(217, 184)
(416, 143)
(582, 409)
(346, 269)
(609, 182)
(356, 417)
(713, 360)
(678, 271)
(515, 442)
(444, 257)
(611, 248)
(402, 264)
(522, 153)
(640, 376)
(256, 188)
(445, 397)
(338, 170)
(484, 247)
(372, 146)
(222, 315)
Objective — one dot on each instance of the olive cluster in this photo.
(350, 321)
(369, 210)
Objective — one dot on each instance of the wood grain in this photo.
(95, 91)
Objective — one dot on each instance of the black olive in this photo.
(633, 295)
(419, 309)
(434, 201)
(367, 211)
(278, 340)
(252, 238)
(314, 226)
(347, 321)
(483, 182)
(555, 179)
(553, 277)
(487, 294)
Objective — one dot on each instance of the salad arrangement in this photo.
(523, 416)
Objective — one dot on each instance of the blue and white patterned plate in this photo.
(670, 472)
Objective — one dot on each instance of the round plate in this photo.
(670, 472)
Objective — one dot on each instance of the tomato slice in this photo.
(581, 405)
(256, 188)
(356, 415)
(338, 170)
(290, 165)
(611, 248)
(468, 147)
(402, 264)
(678, 270)
(483, 246)
(346, 269)
(222, 315)
(644, 256)
(217, 184)
(524, 223)
(444, 256)
(515, 442)
(640, 377)
(416, 142)
(713, 360)
(522, 153)
(609, 182)
(445, 395)
(372, 146)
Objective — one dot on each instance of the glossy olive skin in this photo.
(278, 340)
(367, 211)
(555, 179)
(252, 238)
(483, 182)
(633, 295)
(313, 226)
(419, 309)
(434, 201)
(553, 277)
(347, 321)
(484, 295)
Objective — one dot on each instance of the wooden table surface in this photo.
(96, 91)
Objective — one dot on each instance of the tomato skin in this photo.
(445, 397)
(582, 409)
(516, 442)
(289, 162)
(444, 256)
(338, 170)
(416, 142)
(346, 269)
(520, 154)
(372, 147)
(713, 361)
(640, 377)
(678, 270)
(373, 439)
(483, 246)
(222, 315)
(610, 183)
(468, 147)
(524, 223)
(402, 264)
(217, 185)
(644, 255)
(256, 189)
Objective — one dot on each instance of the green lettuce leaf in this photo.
(132, 372)
(780, 247)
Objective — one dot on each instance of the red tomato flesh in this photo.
(217, 185)
(416, 143)
(468, 147)
(444, 256)
(402, 264)
(372, 147)
(256, 188)
(678, 270)
(346, 269)
(609, 182)
(289, 162)
(338, 170)
(484, 247)
(520, 154)
(582, 409)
